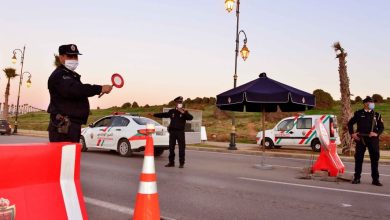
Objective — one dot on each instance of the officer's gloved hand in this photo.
(106, 89)
(355, 136)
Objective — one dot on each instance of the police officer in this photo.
(369, 127)
(178, 116)
(69, 105)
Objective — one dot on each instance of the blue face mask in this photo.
(371, 105)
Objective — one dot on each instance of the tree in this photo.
(377, 98)
(358, 99)
(57, 61)
(346, 112)
(135, 105)
(126, 105)
(10, 73)
(323, 99)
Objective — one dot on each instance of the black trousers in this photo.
(178, 136)
(72, 136)
(373, 148)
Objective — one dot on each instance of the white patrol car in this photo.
(119, 132)
(299, 131)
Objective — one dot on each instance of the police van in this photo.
(299, 131)
(119, 132)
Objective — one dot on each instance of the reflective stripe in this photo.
(67, 183)
(148, 166)
(147, 188)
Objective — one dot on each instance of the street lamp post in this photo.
(229, 4)
(14, 59)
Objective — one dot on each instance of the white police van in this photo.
(299, 131)
(119, 132)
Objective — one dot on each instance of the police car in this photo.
(119, 132)
(299, 131)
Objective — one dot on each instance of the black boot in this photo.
(377, 183)
(356, 181)
(170, 165)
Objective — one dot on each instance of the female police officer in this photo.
(69, 105)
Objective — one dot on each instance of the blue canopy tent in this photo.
(265, 95)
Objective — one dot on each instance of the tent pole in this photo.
(263, 142)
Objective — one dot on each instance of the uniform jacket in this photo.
(364, 120)
(178, 119)
(69, 96)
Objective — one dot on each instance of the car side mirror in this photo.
(90, 125)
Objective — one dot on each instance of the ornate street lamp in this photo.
(14, 59)
(229, 5)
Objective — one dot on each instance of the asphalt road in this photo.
(226, 186)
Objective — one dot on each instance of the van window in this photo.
(304, 123)
(286, 125)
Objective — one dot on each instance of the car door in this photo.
(117, 131)
(303, 127)
(99, 131)
(283, 132)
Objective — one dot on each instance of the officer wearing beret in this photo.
(69, 105)
(178, 116)
(369, 127)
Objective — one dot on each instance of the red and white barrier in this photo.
(42, 181)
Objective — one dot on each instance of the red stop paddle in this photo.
(117, 81)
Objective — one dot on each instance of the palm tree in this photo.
(10, 74)
(346, 112)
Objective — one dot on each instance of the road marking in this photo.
(315, 187)
(284, 158)
(346, 205)
(300, 168)
(114, 207)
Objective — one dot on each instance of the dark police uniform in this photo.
(68, 97)
(366, 121)
(176, 131)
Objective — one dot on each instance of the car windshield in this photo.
(145, 121)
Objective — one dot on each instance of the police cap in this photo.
(178, 99)
(69, 49)
(368, 99)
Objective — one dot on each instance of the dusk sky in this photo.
(179, 47)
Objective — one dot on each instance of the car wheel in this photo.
(316, 145)
(268, 143)
(124, 148)
(158, 152)
(83, 144)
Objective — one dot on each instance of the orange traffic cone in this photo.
(146, 205)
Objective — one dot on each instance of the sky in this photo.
(164, 49)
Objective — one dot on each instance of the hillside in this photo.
(218, 123)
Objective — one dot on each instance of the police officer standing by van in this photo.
(69, 105)
(369, 128)
(178, 116)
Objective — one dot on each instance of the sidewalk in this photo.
(249, 149)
